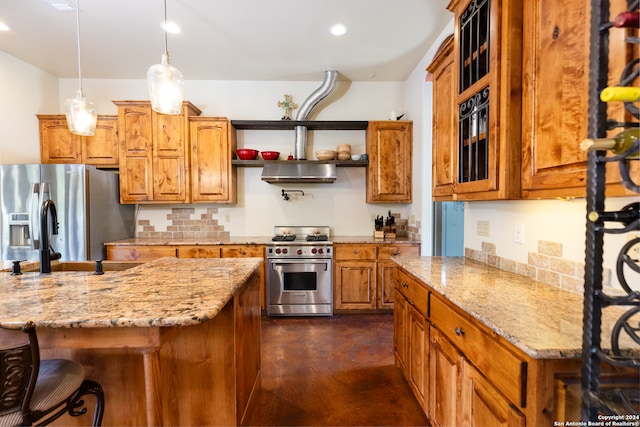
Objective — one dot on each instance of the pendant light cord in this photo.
(78, 32)
(166, 49)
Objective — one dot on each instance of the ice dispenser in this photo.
(19, 229)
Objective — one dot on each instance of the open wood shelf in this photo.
(291, 124)
(260, 163)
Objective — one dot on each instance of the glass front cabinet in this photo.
(487, 58)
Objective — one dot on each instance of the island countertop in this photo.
(543, 321)
(164, 292)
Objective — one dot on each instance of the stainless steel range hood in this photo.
(299, 172)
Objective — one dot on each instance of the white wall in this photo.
(260, 206)
(25, 91)
(419, 101)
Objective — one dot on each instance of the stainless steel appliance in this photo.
(300, 272)
(87, 204)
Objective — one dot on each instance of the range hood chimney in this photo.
(304, 172)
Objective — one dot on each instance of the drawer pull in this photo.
(459, 331)
(356, 251)
(242, 252)
(405, 285)
(397, 252)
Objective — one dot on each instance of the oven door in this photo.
(300, 286)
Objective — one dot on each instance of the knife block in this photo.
(378, 234)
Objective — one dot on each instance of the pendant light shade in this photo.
(81, 114)
(165, 82)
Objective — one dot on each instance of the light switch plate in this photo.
(483, 228)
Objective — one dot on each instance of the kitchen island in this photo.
(172, 341)
(483, 346)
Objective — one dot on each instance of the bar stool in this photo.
(34, 391)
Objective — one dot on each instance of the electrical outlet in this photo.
(227, 218)
(634, 251)
(412, 219)
(483, 228)
(518, 232)
(373, 218)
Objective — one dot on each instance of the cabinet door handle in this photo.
(459, 331)
(405, 285)
(397, 252)
(356, 251)
(242, 252)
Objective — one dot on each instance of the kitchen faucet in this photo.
(47, 254)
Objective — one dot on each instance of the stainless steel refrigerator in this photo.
(87, 204)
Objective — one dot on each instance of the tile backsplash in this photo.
(185, 224)
(546, 265)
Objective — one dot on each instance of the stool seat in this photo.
(40, 391)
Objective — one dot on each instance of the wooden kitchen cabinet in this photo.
(250, 251)
(445, 369)
(483, 405)
(154, 157)
(355, 277)
(140, 252)
(412, 343)
(58, 145)
(487, 79)
(363, 274)
(385, 281)
(555, 105)
(213, 144)
(444, 135)
(389, 173)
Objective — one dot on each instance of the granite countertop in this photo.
(248, 240)
(543, 321)
(164, 292)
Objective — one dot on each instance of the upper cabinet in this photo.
(58, 145)
(154, 157)
(389, 146)
(213, 144)
(487, 64)
(555, 97)
(444, 93)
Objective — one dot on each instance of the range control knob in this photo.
(314, 250)
(320, 251)
(285, 251)
(278, 250)
(299, 251)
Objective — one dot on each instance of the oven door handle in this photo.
(276, 264)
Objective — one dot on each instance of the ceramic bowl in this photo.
(247, 153)
(326, 154)
(270, 155)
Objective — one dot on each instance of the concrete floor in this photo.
(332, 371)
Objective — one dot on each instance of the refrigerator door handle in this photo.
(34, 215)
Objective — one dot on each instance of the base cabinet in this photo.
(460, 371)
(482, 405)
(445, 370)
(363, 275)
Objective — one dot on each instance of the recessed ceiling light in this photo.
(171, 27)
(4, 27)
(338, 29)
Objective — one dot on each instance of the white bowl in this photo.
(355, 157)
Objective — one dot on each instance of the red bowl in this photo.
(247, 153)
(270, 155)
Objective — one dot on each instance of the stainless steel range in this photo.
(300, 272)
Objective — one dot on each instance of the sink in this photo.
(86, 266)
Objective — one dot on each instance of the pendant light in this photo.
(81, 114)
(165, 82)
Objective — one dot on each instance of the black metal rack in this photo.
(610, 400)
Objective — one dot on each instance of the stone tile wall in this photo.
(545, 265)
(184, 225)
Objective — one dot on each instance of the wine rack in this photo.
(597, 356)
